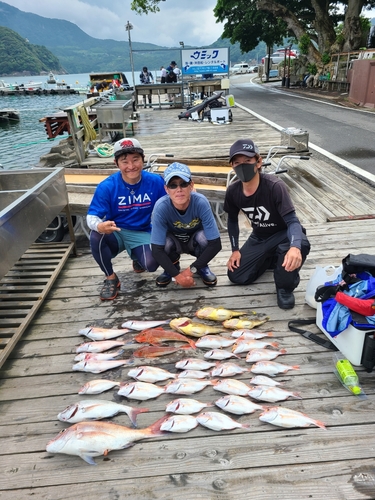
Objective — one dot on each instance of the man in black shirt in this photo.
(278, 241)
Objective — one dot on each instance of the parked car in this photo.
(253, 69)
(279, 56)
(239, 68)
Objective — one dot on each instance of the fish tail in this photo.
(155, 427)
(319, 423)
(134, 412)
(269, 334)
(283, 351)
(275, 344)
(192, 343)
(296, 395)
(187, 346)
(296, 367)
(246, 426)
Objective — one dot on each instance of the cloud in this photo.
(190, 21)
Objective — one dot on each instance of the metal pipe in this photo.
(128, 27)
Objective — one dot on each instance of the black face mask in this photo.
(245, 171)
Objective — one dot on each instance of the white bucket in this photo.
(229, 99)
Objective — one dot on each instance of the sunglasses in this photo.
(182, 185)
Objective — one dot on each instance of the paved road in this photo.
(346, 133)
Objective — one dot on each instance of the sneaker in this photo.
(207, 276)
(285, 298)
(110, 289)
(137, 268)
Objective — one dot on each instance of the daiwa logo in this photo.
(257, 214)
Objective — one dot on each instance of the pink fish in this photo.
(251, 334)
(140, 390)
(150, 374)
(179, 423)
(232, 386)
(214, 341)
(187, 385)
(97, 386)
(218, 421)
(193, 374)
(220, 354)
(272, 368)
(193, 364)
(186, 406)
(264, 380)
(227, 370)
(95, 333)
(94, 366)
(272, 394)
(98, 356)
(237, 405)
(244, 345)
(263, 355)
(283, 417)
(100, 346)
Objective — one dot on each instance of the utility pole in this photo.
(128, 27)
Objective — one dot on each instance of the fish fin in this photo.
(283, 351)
(134, 413)
(88, 458)
(296, 367)
(320, 424)
(296, 395)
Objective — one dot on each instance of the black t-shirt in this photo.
(265, 208)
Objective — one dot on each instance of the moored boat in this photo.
(9, 116)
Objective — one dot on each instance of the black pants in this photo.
(259, 255)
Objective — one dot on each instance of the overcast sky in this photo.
(190, 21)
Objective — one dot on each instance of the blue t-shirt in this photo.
(129, 205)
(198, 216)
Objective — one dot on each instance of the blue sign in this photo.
(199, 61)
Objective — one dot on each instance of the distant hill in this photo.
(81, 53)
(19, 56)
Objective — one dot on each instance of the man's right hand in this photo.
(185, 279)
(107, 227)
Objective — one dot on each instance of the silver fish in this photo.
(214, 341)
(193, 364)
(95, 366)
(98, 356)
(92, 439)
(227, 370)
(96, 409)
(99, 346)
(140, 390)
(150, 374)
(143, 325)
(95, 333)
(283, 417)
(179, 423)
(264, 380)
(271, 394)
(220, 354)
(187, 385)
(97, 386)
(263, 355)
(232, 386)
(186, 406)
(218, 421)
(272, 368)
(237, 405)
(193, 374)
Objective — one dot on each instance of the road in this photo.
(344, 132)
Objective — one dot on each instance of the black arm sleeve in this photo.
(233, 232)
(213, 248)
(294, 229)
(163, 259)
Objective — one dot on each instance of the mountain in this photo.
(81, 53)
(19, 56)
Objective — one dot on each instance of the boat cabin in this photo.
(108, 78)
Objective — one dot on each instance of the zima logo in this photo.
(257, 214)
(134, 199)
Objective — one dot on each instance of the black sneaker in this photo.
(207, 276)
(285, 298)
(137, 267)
(110, 289)
(164, 279)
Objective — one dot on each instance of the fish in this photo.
(284, 417)
(232, 386)
(272, 394)
(93, 439)
(193, 364)
(95, 333)
(150, 374)
(227, 370)
(98, 356)
(237, 405)
(250, 334)
(186, 406)
(154, 351)
(143, 325)
(100, 346)
(218, 421)
(97, 386)
(243, 345)
(264, 380)
(187, 385)
(218, 314)
(220, 354)
(214, 341)
(245, 323)
(193, 374)
(97, 366)
(179, 423)
(140, 390)
(263, 355)
(96, 409)
(155, 336)
(271, 368)
(189, 327)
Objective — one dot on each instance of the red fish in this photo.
(155, 336)
(154, 351)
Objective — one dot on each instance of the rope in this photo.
(90, 134)
(104, 150)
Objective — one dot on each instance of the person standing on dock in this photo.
(120, 215)
(163, 74)
(146, 78)
(278, 241)
(183, 222)
(171, 77)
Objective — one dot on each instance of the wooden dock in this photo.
(265, 462)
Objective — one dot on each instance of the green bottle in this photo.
(348, 375)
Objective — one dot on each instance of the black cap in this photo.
(243, 147)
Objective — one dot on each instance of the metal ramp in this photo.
(24, 288)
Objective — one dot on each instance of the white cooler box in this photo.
(220, 115)
(350, 342)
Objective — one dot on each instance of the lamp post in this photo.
(128, 27)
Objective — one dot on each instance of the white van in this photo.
(239, 68)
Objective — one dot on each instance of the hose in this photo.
(90, 134)
(104, 150)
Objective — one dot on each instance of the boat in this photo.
(29, 86)
(9, 116)
(51, 78)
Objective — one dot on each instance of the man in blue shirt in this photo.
(183, 222)
(120, 215)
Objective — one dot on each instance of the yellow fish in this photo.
(244, 323)
(218, 314)
(189, 327)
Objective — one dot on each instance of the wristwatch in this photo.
(193, 269)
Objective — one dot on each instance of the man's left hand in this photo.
(292, 259)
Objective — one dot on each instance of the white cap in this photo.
(127, 145)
